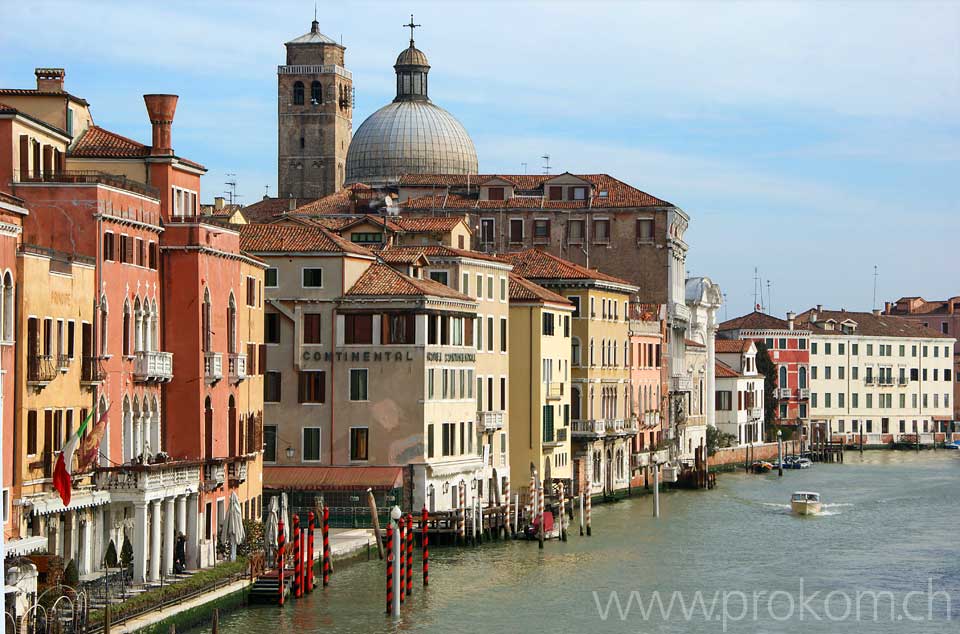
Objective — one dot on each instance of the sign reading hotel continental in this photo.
(461, 357)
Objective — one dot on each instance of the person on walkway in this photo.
(180, 554)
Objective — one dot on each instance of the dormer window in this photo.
(495, 193)
(579, 193)
(555, 192)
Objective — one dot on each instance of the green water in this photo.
(891, 525)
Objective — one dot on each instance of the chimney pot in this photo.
(876, 312)
(218, 202)
(292, 205)
(161, 109)
(819, 308)
(791, 317)
(887, 306)
(49, 79)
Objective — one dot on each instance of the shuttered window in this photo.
(311, 328)
(398, 328)
(358, 329)
(312, 387)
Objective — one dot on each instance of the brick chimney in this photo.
(791, 318)
(161, 109)
(49, 79)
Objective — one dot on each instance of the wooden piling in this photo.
(588, 498)
(372, 503)
(425, 545)
(327, 563)
(281, 544)
(215, 626)
(540, 513)
(506, 497)
(563, 514)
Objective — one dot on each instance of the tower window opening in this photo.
(298, 93)
(303, 143)
(316, 93)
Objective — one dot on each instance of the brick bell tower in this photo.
(315, 116)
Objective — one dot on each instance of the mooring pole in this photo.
(372, 503)
(581, 514)
(656, 490)
(779, 453)
(425, 546)
(398, 589)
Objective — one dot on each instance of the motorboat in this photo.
(761, 466)
(805, 503)
(952, 445)
(801, 463)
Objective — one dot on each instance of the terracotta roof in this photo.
(524, 290)
(97, 142)
(755, 321)
(607, 191)
(918, 306)
(693, 344)
(392, 255)
(380, 280)
(537, 264)
(332, 478)
(351, 199)
(722, 370)
(281, 238)
(33, 92)
(868, 324)
(731, 345)
(425, 224)
(266, 209)
(443, 251)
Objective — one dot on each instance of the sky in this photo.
(811, 141)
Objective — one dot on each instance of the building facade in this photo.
(648, 387)
(739, 394)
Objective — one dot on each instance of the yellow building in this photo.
(540, 330)
(601, 425)
(56, 305)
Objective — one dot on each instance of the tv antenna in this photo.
(875, 276)
(757, 305)
(231, 187)
(524, 167)
(266, 191)
(546, 164)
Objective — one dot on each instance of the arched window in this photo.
(138, 315)
(105, 443)
(591, 351)
(232, 424)
(802, 377)
(126, 327)
(155, 442)
(603, 352)
(137, 418)
(103, 326)
(575, 403)
(7, 314)
(298, 93)
(232, 326)
(205, 322)
(207, 429)
(128, 431)
(154, 332)
(782, 382)
(316, 93)
(575, 351)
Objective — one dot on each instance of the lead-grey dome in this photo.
(412, 135)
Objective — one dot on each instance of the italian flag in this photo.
(62, 476)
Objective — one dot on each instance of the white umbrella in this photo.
(285, 517)
(233, 526)
(271, 530)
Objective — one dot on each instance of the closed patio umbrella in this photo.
(271, 530)
(285, 517)
(233, 527)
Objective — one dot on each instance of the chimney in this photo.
(218, 203)
(887, 307)
(791, 316)
(819, 308)
(49, 79)
(876, 312)
(161, 109)
(292, 204)
(813, 316)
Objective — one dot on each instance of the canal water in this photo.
(890, 528)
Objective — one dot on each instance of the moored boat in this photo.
(805, 503)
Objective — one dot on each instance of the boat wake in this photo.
(826, 509)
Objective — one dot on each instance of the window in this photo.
(271, 328)
(548, 423)
(312, 387)
(579, 193)
(440, 276)
(465, 284)
(32, 432)
(503, 289)
(813, 347)
(489, 287)
(644, 229)
(269, 443)
(358, 329)
(311, 444)
(479, 286)
(566, 328)
(601, 230)
(724, 400)
(398, 328)
(548, 323)
(555, 193)
(430, 440)
(358, 443)
(358, 384)
(251, 291)
(495, 193)
(316, 93)
(486, 230)
(311, 328)
(298, 93)
(516, 230)
(575, 231)
(152, 255)
(270, 278)
(575, 351)
(541, 230)
(138, 251)
(271, 387)
(312, 278)
(490, 333)
(503, 334)
(575, 300)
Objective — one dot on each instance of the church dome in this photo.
(412, 135)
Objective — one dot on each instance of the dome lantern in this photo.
(412, 69)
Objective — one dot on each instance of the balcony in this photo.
(214, 475)
(804, 393)
(237, 473)
(237, 366)
(92, 371)
(647, 458)
(89, 176)
(902, 380)
(754, 412)
(63, 362)
(490, 421)
(212, 366)
(681, 383)
(784, 392)
(554, 391)
(151, 365)
(41, 370)
(588, 428)
(558, 440)
(679, 312)
(146, 478)
(649, 420)
(868, 380)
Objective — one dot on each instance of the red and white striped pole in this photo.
(531, 498)
(563, 513)
(506, 495)
(390, 568)
(425, 543)
(326, 545)
(462, 518)
(297, 558)
(588, 500)
(540, 511)
(409, 554)
(402, 579)
(281, 543)
(312, 525)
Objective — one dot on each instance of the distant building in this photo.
(648, 388)
(942, 315)
(739, 393)
(887, 378)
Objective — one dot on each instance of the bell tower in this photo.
(314, 116)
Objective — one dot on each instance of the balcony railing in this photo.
(215, 474)
(784, 392)
(237, 366)
(558, 438)
(148, 477)
(554, 390)
(63, 362)
(212, 366)
(681, 383)
(679, 312)
(869, 380)
(902, 380)
(153, 366)
(92, 370)
(588, 428)
(90, 176)
(804, 392)
(490, 421)
(41, 369)
(753, 412)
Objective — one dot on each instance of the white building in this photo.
(739, 394)
(703, 299)
(881, 376)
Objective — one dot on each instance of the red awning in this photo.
(332, 478)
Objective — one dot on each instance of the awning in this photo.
(25, 545)
(51, 502)
(332, 478)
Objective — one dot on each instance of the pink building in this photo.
(648, 387)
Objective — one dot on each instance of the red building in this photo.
(789, 351)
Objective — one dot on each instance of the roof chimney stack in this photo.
(876, 312)
(819, 308)
(161, 109)
(791, 317)
(49, 79)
